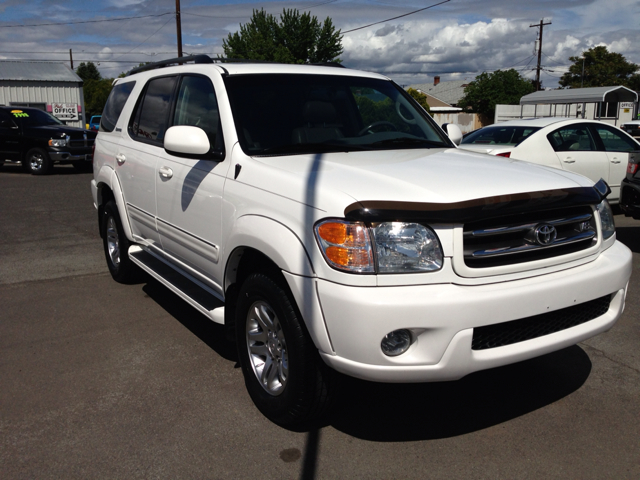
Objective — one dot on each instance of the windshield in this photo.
(289, 114)
(35, 118)
(499, 135)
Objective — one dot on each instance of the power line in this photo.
(244, 16)
(85, 21)
(161, 27)
(395, 18)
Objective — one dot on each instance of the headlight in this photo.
(400, 247)
(606, 220)
(345, 245)
(406, 247)
(58, 142)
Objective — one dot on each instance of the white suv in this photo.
(324, 217)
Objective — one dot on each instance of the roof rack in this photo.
(172, 61)
(207, 59)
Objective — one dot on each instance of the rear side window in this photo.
(149, 121)
(572, 138)
(115, 103)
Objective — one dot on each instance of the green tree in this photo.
(88, 71)
(96, 93)
(504, 87)
(601, 69)
(296, 38)
(419, 97)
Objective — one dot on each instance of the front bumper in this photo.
(65, 156)
(442, 319)
(630, 198)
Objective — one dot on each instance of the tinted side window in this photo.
(149, 121)
(572, 138)
(197, 106)
(615, 141)
(115, 103)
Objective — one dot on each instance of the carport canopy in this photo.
(580, 95)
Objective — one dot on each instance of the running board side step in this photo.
(195, 295)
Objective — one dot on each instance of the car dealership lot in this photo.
(106, 380)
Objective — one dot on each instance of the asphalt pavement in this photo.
(102, 380)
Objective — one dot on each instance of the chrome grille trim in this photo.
(527, 226)
(529, 247)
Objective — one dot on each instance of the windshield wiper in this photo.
(406, 141)
(309, 148)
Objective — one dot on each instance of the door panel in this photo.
(577, 151)
(189, 191)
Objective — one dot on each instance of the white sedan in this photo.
(589, 147)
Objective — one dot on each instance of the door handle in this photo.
(166, 172)
(120, 158)
(569, 160)
(615, 160)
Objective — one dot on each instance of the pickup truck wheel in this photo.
(37, 162)
(283, 372)
(116, 246)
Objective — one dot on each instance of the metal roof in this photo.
(448, 92)
(580, 95)
(37, 72)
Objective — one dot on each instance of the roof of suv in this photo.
(202, 63)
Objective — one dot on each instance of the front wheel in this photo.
(283, 372)
(116, 246)
(37, 162)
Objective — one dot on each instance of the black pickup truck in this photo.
(37, 140)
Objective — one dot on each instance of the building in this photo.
(442, 94)
(49, 86)
(614, 105)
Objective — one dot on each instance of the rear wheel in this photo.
(283, 372)
(116, 246)
(37, 162)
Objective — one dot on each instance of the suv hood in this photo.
(435, 176)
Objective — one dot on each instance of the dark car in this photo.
(630, 189)
(37, 140)
(632, 128)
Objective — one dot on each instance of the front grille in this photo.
(81, 143)
(520, 238)
(508, 333)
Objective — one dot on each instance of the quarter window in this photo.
(115, 103)
(149, 121)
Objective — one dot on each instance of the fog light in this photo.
(396, 342)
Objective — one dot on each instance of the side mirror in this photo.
(190, 142)
(453, 131)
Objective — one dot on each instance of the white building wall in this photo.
(573, 110)
(43, 92)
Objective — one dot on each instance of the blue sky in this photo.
(456, 40)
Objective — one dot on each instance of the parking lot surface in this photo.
(101, 380)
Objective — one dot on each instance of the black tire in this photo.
(37, 162)
(298, 395)
(116, 247)
(83, 167)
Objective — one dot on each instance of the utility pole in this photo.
(71, 58)
(541, 26)
(178, 28)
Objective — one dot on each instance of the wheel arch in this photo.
(108, 188)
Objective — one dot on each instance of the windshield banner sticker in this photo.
(19, 113)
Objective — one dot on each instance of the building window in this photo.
(607, 110)
(39, 106)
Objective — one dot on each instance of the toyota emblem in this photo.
(545, 234)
